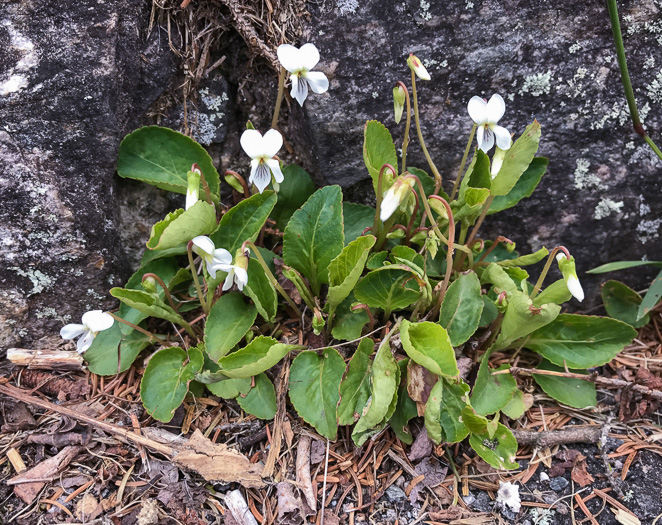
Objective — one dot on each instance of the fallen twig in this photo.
(212, 461)
(45, 359)
(558, 437)
(593, 378)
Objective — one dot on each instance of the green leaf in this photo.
(148, 304)
(166, 269)
(314, 389)
(384, 382)
(489, 313)
(230, 388)
(409, 256)
(405, 409)
(357, 217)
(295, 189)
(348, 325)
(314, 236)
(443, 411)
(517, 160)
(387, 288)
(622, 303)
(102, 357)
(261, 399)
(623, 265)
(499, 450)
(244, 221)
(152, 255)
(516, 406)
(345, 270)
(260, 289)
(228, 321)
(525, 260)
(462, 308)
(498, 277)
(651, 298)
(377, 260)
(378, 149)
(355, 386)
(259, 355)
(524, 186)
(572, 392)
(162, 157)
(522, 318)
(492, 392)
(428, 345)
(581, 341)
(165, 382)
(557, 293)
(181, 226)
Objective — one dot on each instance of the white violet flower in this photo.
(299, 62)
(567, 267)
(238, 272)
(215, 258)
(262, 150)
(486, 115)
(508, 495)
(93, 322)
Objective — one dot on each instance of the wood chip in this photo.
(239, 508)
(303, 471)
(16, 460)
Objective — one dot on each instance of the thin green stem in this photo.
(271, 277)
(279, 98)
(165, 288)
(136, 327)
(449, 256)
(435, 228)
(376, 231)
(205, 185)
(481, 218)
(456, 185)
(405, 141)
(196, 281)
(435, 171)
(548, 264)
(625, 76)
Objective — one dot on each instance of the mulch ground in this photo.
(80, 448)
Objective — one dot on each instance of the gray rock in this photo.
(395, 495)
(73, 80)
(553, 61)
(558, 483)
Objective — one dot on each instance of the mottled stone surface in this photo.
(553, 61)
(74, 79)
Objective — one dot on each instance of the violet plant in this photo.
(398, 291)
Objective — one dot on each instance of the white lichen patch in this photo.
(424, 12)
(649, 63)
(14, 80)
(574, 48)
(584, 179)
(212, 102)
(538, 84)
(46, 312)
(375, 94)
(654, 89)
(469, 5)
(649, 230)
(347, 7)
(40, 281)
(606, 207)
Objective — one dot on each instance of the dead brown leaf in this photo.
(579, 472)
(303, 471)
(47, 470)
(419, 384)
(217, 462)
(421, 447)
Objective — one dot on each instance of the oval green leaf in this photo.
(181, 226)
(572, 392)
(228, 321)
(355, 386)
(428, 345)
(162, 157)
(260, 400)
(462, 308)
(581, 341)
(259, 355)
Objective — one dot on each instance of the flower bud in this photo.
(417, 67)
(149, 285)
(399, 99)
(318, 322)
(567, 267)
(241, 258)
(438, 207)
(193, 190)
(394, 196)
(510, 246)
(233, 182)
